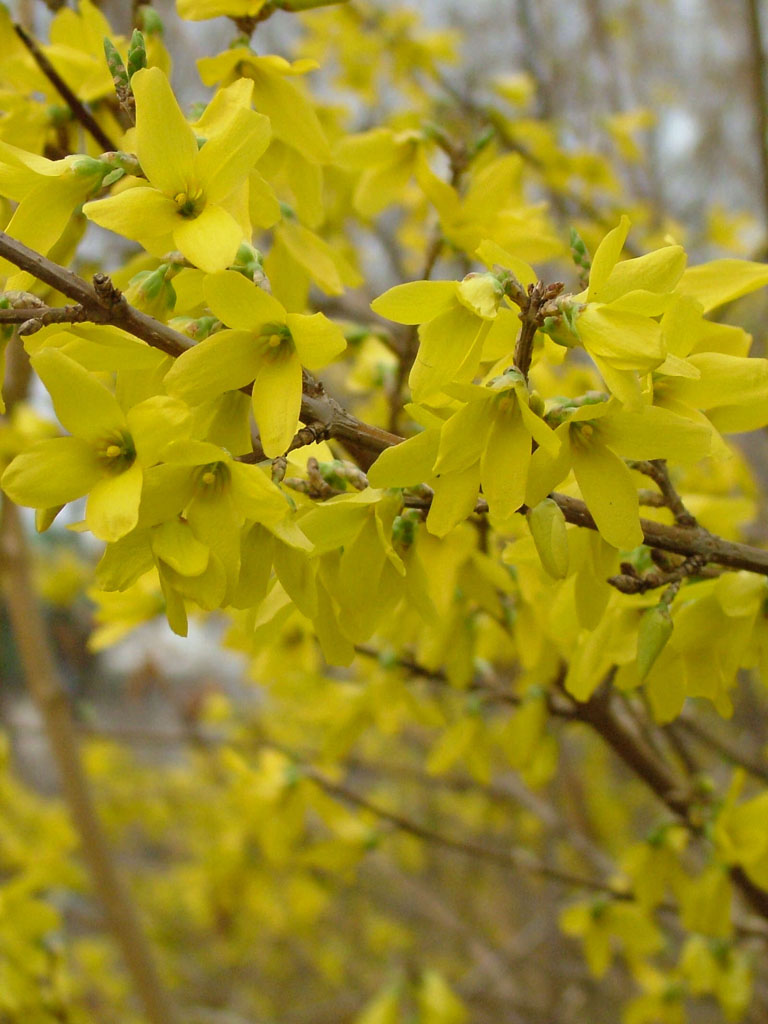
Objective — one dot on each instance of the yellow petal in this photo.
(607, 487)
(211, 240)
(454, 500)
(51, 473)
(165, 144)
(224, 362)
(85, 407)
(415, 302)
(239, 303)
(504, 464)
(277, 403)
(226, 160)
(318, 340)
(113, 504)
(142, 214)
(606, 257)
(721, 281)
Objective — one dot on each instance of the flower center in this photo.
(276, 341)
(117, 453)
(190, 204)
(212, 479)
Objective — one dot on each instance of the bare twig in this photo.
(515, 860)
(759, 76)
(657, 470)
(79, 110)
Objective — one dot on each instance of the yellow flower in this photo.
(193, 199)
(268, 346)
(591, 441)
(105, 455)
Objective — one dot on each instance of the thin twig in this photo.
(79, 110)
(516, 860)
(759, 76)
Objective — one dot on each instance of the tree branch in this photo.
(79, 110)
(103, 303)
(50, 697)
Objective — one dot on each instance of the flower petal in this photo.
(51, 473)
(141, 213)
(165, 143)
(224, 362)
(84, 406)
(277, 403)
(113, 504)
(504, 463)
(239, 303)
(415, 302)
(226, 159)
(607, 488)
(606, 257)
(210, 240)
(318, 340)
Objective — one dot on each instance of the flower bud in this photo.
(655, 629)
(547, 525)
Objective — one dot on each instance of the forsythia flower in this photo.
(455, 317)
(267, 346)
(105, 455)
(614, 320)
(488, 441)
(591, 441)
(193, 199)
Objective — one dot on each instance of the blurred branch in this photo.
(48, 693)
(759, 82)
(79, 111)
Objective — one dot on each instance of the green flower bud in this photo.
(115, 64)
(87, 166)
(655, 629)
(547, 525)
(151, 23)
(137, 54)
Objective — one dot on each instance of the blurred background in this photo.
(674, 93)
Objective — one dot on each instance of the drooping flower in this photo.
(105, 454)
(268, 347)
(195, 198)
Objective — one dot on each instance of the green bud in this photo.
(59, 115)
(547, 525)
(137, 54)
(579, 251)
(655, 629)
(536, 403)
(151, 23)
(87, 166)
(115, 65)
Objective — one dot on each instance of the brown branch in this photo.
(629, 582)
(657, 470)
(759, 82)
(50, 697)
(79, 110)
(516, 860)
(531, 315)
(362, 440)
(683, 800)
